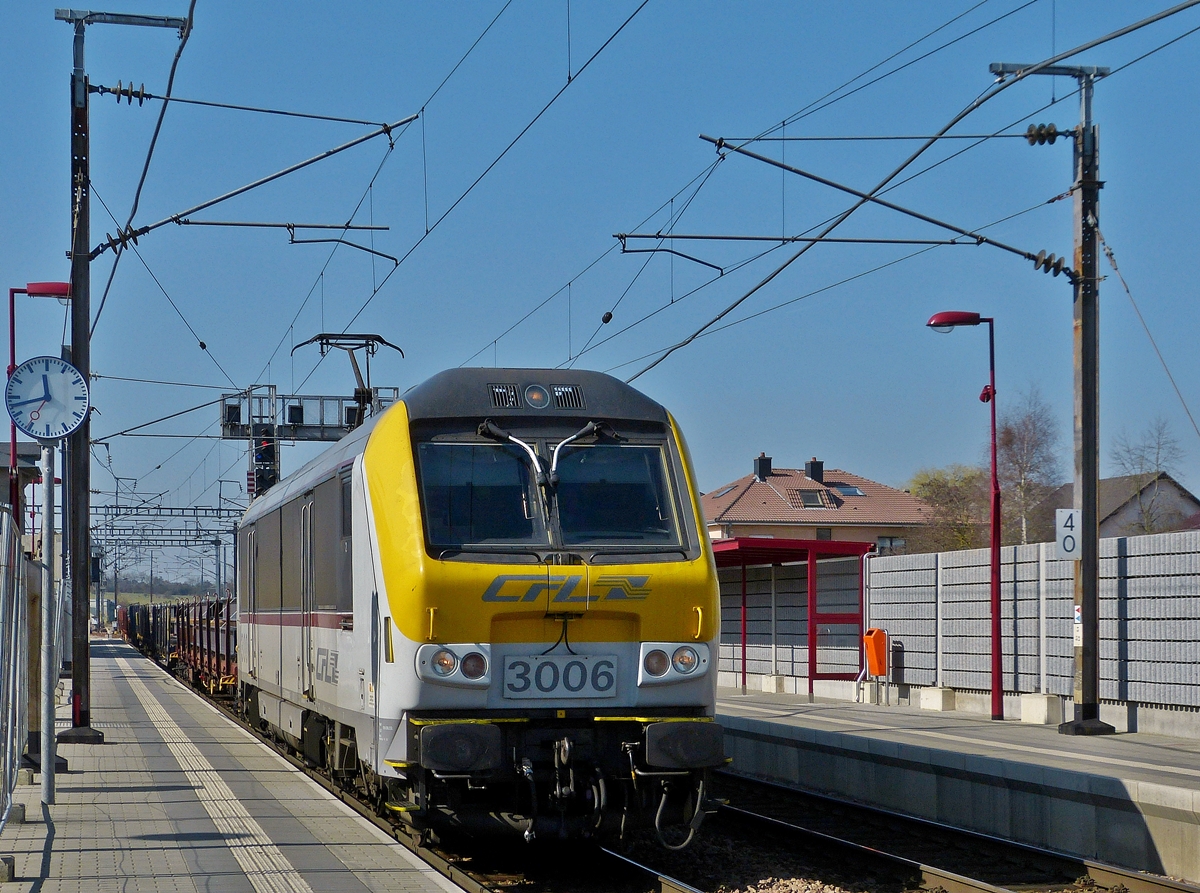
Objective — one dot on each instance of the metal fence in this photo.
(936, 608)
(14, 660)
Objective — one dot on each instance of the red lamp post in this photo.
(34, 290)
(945, 322)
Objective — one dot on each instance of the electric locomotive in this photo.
(493, 606)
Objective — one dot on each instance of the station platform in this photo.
(180, 799)
(1131, 799)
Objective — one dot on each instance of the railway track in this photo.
(767, 838)
(924, 854)
(551, 867)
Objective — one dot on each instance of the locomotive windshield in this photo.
(487, 496)
(477, 494)
(614, 495)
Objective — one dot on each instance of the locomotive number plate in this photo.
(561, 676)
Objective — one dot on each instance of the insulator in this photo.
(1039, 260)
(1040, 134)
(607, 317)
(117, 92)
(1058, 266)
(142, 94)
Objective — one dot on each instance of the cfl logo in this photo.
(531, 587)
(327, 666)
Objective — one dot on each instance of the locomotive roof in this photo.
(477, 393)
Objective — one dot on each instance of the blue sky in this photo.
(849, 374)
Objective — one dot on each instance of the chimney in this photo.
(762, 467)
(814, 470)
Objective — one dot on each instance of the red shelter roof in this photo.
(754, 550)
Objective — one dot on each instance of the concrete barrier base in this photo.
(1145, 825)
(937, 699)
(1045, 710)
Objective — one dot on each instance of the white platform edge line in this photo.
(382, 836)
(978, 742)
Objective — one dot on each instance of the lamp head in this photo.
(48, 289)
(951, 319)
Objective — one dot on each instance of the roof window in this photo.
(811, 499)
(848, 490)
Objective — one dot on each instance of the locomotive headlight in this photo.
(444, 662)
(656, 663)
(474, 665)
(685, 659)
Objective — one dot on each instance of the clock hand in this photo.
(24, 402)
(45, 386)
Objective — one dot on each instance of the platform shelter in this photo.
(828, 623)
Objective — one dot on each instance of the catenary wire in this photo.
(177, 384)
(498, 159)
(203, 344)
(1112, 260)
(362, 198)
(102, 91)
(173, 415)
(607, 251)
(979, 101)
(813, 108)
(857, 77)
(319, 280)
(825, 288)
(185, 33)
(1053, 101)
(587, 348)
(480, 178)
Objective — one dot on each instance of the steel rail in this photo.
(432, 857)
(1105, 875)
(931, 877)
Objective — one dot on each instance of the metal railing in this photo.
(14, 660)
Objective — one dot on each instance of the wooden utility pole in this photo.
(1086, 303)
(1086, 626)
(77, 498)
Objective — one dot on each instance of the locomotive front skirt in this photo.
(494, 605)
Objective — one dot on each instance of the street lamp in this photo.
(34, 290)
(946, 321)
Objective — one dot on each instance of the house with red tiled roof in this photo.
(815, 503)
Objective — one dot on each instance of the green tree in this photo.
(958, 495)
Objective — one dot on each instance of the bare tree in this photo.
(1144, 459)
(958, 495)
(1028, 464)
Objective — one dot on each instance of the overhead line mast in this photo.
(78, 459)
(1086, 340)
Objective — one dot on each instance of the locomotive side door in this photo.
(307, 607)
(250, 628)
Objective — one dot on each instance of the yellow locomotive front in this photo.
(550, 648)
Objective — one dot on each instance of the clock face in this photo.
(47, 398)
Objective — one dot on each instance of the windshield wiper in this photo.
(586, 431)
(490, 429)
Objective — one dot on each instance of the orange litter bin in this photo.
(876, 646)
